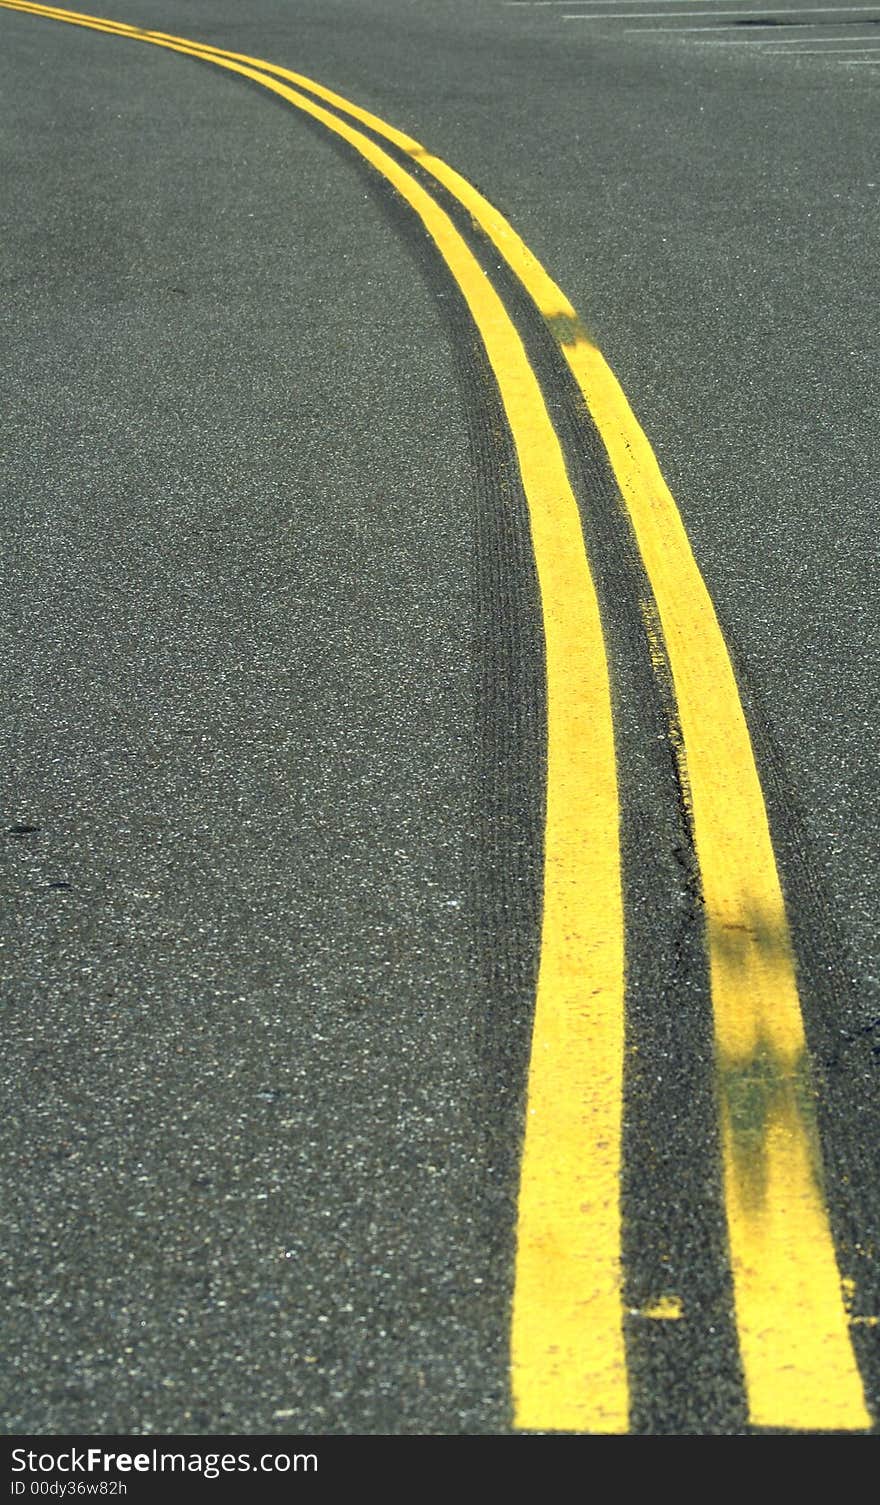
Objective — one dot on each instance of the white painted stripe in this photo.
(536, 4)
(637, 31)
(540, 4)
(783, 10)
(844, 42)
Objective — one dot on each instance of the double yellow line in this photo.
(568, 1356)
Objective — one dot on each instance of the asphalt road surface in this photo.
(441, 961)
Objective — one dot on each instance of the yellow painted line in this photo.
(796, 1350)
(797, 1355)
(569, 1370)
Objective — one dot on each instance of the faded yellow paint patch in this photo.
(664, 1309)
(849, 1300)
(654, 635)
(800, 1375)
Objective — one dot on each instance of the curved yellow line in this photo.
(797, 1354)
(569, 1370)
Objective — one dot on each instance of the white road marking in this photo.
(711, 30)
(845, 42)
(786, 10)
(536, 4)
